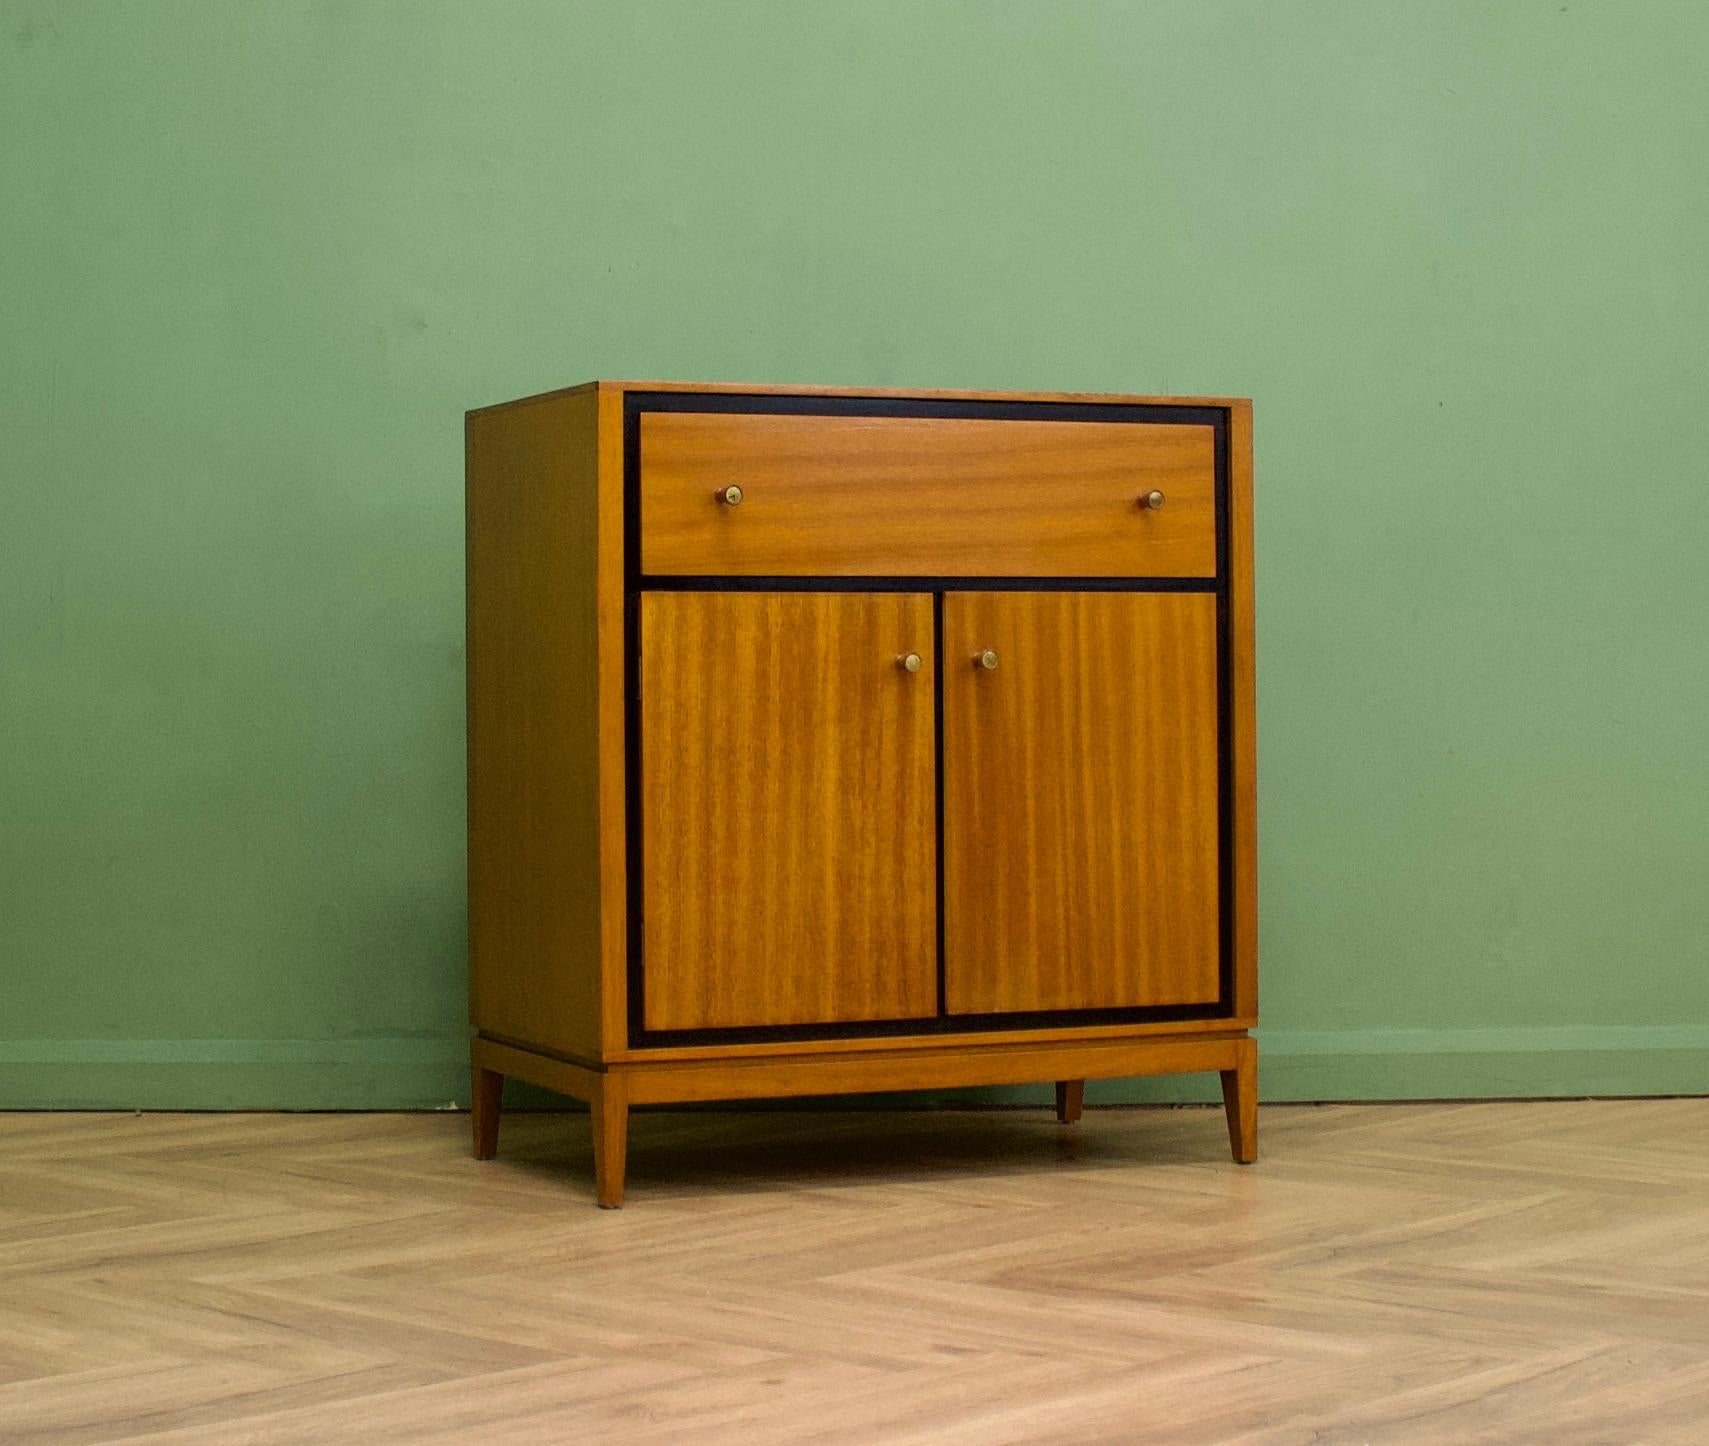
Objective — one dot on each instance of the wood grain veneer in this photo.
(1243, 706)
(534, 737)
(636, 386)
(924, 495)
(787, 816)
(982, 1032)
(721, 846)
(610, 680)
(868, 1070)
(1080, 792)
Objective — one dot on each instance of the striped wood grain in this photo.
(788, 709)
(1080, 800)
(945, 496)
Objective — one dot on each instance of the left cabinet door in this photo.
(788, 809)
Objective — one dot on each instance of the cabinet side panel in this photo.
(534, 862)
(1243, 682)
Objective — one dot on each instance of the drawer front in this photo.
(950, 497)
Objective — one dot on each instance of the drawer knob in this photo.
(730, 496)
(1151, 501)
(986, 659)
(909, 662)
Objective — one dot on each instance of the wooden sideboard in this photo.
(828, 740)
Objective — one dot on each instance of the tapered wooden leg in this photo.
(486, 1090)
(610, 1109)
(1070, 1095)
(1240, 1100)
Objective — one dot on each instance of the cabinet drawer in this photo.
(915, 496)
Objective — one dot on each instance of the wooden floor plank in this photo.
(1464, 1272)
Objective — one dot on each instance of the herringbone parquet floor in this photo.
(1434, 1273)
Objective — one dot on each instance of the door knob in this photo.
(986, 659)
(730, 496)
(1151, 500)
(909, 662)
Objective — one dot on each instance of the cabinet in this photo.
(830, 741)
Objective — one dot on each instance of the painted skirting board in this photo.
(234, 1074)
(431, 1073)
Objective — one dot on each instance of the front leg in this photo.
(610, 1110)
(1240, 1101)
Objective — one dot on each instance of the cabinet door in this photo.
(1080, 800)
(788, 808)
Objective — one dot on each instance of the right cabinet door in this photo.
(1080, 800)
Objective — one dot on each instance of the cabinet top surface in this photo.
(778, 389)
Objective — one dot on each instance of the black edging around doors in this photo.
(635, 404)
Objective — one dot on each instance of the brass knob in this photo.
(730, 496)
(1151, 501)
(986, 659)
(909, 662)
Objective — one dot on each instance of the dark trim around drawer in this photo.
(902, 582)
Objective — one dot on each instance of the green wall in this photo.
(256, 259)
